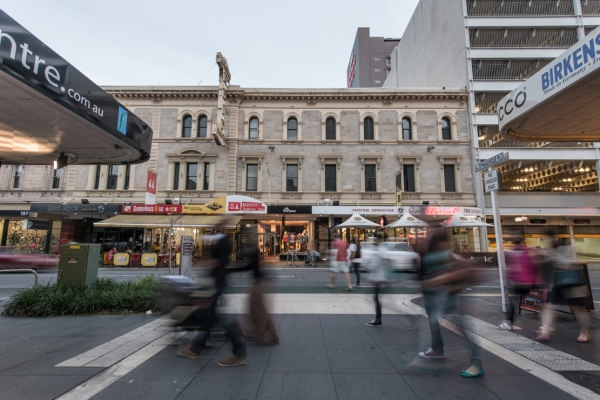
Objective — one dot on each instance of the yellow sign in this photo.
(121, 259)
(216, 206)
(74, 247)
(149, 259)
(398, 197)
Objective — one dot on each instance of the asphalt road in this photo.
(10, 283)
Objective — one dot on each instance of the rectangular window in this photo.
(291, 177)
(56, 179)
(176, 172)
(191, 176)
(17, 176)
(330, 178)
(252, 177)
(370, 181)
(409, 178)
(206, 180)
(97, 177)
(127, 176)
(449, 179)
(113, 175)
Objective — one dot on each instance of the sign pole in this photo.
(499, 248)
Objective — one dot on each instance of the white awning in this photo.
(167, 221)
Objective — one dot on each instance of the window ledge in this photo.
(330, 195)
(411, 195)
(407, 141)
(250, 193)
(250, 141)
(370, 195)
(441, 141)
(363, 141)
(337, 141)
(109, 193)
(189, 193)
(292, 141)
(452, 195)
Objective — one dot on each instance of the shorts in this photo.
(340, 266)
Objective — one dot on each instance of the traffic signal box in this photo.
(79, 263)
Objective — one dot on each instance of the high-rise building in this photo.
(370, 60)
(490, 47)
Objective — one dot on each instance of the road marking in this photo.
(111, 352)
(98, 383)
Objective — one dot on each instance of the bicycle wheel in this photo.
(289, 259)
(296, 260)
(315, 261)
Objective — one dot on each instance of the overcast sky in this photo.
(267, 43)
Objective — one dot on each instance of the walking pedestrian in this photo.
(378, 276)
(522, 274)
(355, 258)
(340, 264)
(220, 252)
(568, 288)
(438, 275)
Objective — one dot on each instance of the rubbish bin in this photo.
(78, 263)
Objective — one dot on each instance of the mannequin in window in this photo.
(285, 241)
(292, 239)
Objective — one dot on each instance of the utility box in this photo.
(78, 263)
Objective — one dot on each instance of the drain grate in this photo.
(588, 381)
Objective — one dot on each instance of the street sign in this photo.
(498, 159)
(493, 180)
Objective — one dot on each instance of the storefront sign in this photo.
(14, 213)
(246, 205)
(151, 187)
(76, 208)
(151, 209)
(289, 209)
(34, 62)
(35, 224)
(414, 210)
(578, 62)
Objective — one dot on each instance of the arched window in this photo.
(330, 129)
(253, 128)
(202, 126)
(446, 132)
(369, 129)
(292, 129)
(406, 129)
(186, 128)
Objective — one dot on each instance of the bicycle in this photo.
(312, 259)
(292, 258)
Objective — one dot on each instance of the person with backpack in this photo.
(355, 260)
(522, 274)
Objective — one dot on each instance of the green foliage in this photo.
(105, 296)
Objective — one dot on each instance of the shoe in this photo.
(232, 361)
(466, 374)
(329, 287)
(348, 289)
(506, 326)
(186, 351)
(375, 322)
(430, 353)
(578, 340)
(543, 339)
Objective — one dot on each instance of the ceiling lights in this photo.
(521, 219)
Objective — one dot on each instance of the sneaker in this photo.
(232, 361)
(430, 353)
(185, 350)
(375, 322)
(506, 326)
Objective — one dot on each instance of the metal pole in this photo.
(268, 172)
(499, 248)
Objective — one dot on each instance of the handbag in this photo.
(567, 278)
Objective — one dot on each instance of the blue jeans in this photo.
(356, 272)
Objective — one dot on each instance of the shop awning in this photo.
(167, 221)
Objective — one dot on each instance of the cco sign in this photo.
(579, 61)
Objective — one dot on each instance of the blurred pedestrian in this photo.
(569, 287)
(379, 269)
(355, 260)
(262, 328)
(522, 276)
(220, 252)
(340, 264)
(442, 273)
(111, 254)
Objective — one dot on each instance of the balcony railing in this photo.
(520, 8)
(507, 69)
(590, 7)
(489, 137)
(487, 102)
(523, 37)
(588, 29)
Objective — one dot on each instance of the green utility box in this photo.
(78, 263)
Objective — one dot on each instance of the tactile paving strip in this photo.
(544, 355)
(117, 349)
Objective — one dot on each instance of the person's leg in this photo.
(583, 318)
(432, 308)
(357, 273)
(332, 278)
(238, 356)
(547, 318)
(348, 279)
(476, 368)
(377, 303)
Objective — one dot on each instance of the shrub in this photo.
(104, 296)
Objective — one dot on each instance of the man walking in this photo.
(341, 262)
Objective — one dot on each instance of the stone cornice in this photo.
(235, 94)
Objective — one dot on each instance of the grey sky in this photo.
(267, 43)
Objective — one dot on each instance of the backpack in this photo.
(521, 268)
